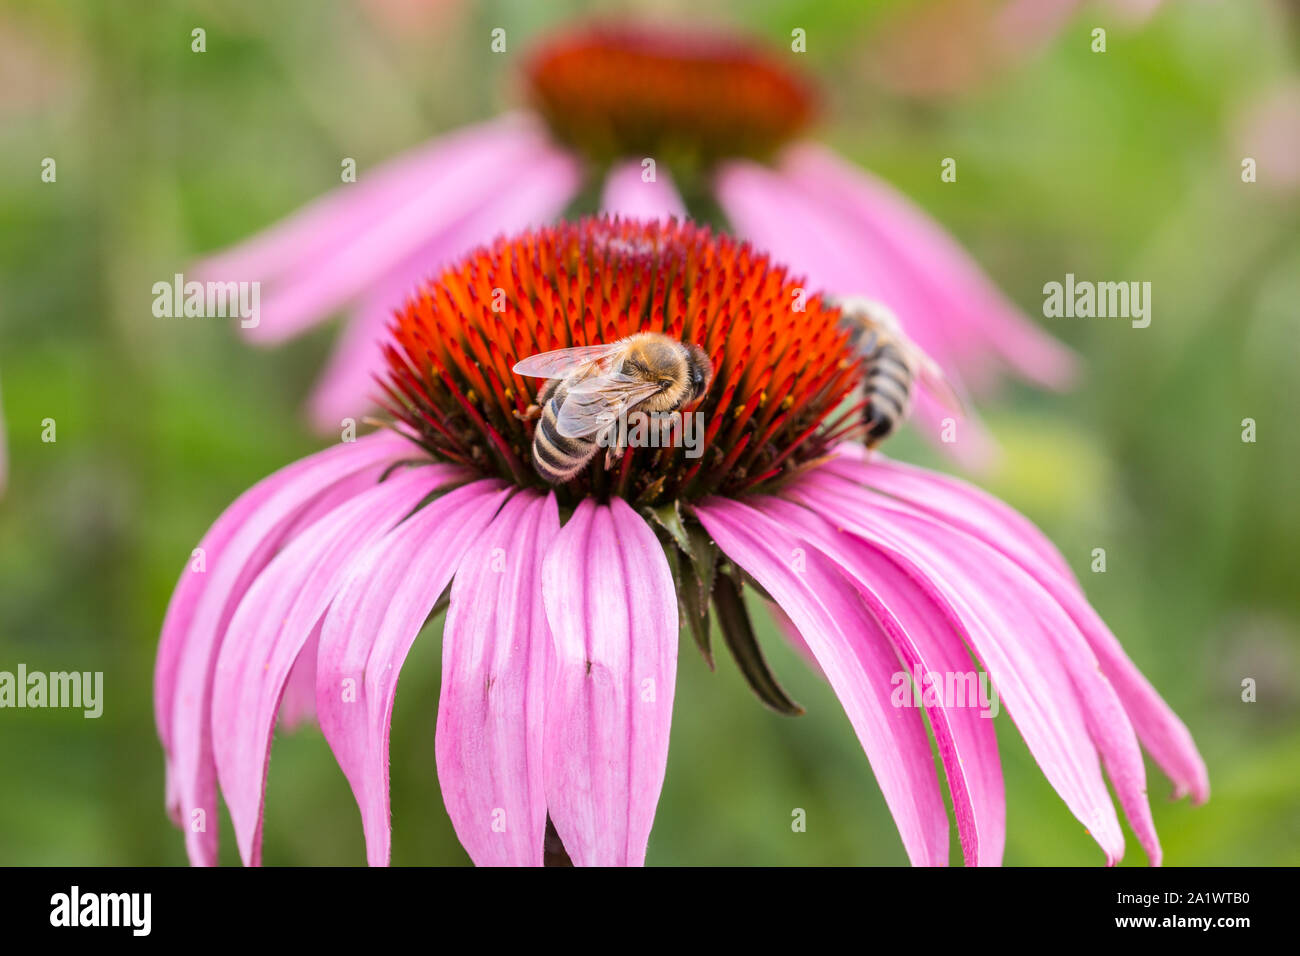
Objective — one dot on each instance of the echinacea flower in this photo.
(725, 120)
(560, 644)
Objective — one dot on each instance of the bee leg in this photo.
(528, 414)
(613, 453)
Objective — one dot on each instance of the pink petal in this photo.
(1107, 723)
(332, 220)
(368, 631)
(627, 195)
(983, 516)
(612, 611)
(298, 705)
(496, 647)
(968, 300)
(955, 502)
(1009, 624)
(274, 620)
(317, 286)
(791, 634)
(931, 648)
(348, 384)
(346, 387)
(972, 445)
(842, 634)
(235, 549)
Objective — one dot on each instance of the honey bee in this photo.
(892, 364)
(591, 387)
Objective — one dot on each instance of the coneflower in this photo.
(563, 605)
(723, 117)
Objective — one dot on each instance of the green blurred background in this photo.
(1114, 166)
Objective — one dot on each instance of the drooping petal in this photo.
(627, 193)
(496, 649)
(792, 635)
(298, 704)
(330, 251)
(346, 385)
(969, 302)
(274, 620)
(1107, 723)
(612, 611)
(330, 220)
(316, 288)
(230, 556)
(1010, 624)
(962, 435)
(934, 653)
(369, 629)
(953, 501)
(858, 663)
(532, 197)
(983, 516)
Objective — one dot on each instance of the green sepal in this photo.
(738, 632)
(693, 541)
(669, 517)
(704, 556)
(690, 615)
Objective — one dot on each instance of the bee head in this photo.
(700, 370)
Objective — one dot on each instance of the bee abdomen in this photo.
(888, 391)
(557, 458)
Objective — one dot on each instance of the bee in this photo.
(892, 364)
(591, 388)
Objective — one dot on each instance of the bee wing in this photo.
(596, 403)
(931, 376)
(562, 362)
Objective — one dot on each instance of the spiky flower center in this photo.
(781, 363)
(683, 99)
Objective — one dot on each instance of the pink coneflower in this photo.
(564, 604)
(722, 117)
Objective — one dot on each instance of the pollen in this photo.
(596, 281)
(682, 98)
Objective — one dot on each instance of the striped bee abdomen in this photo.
(888, 377)
(557, 458)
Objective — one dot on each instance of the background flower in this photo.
(628, 107)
